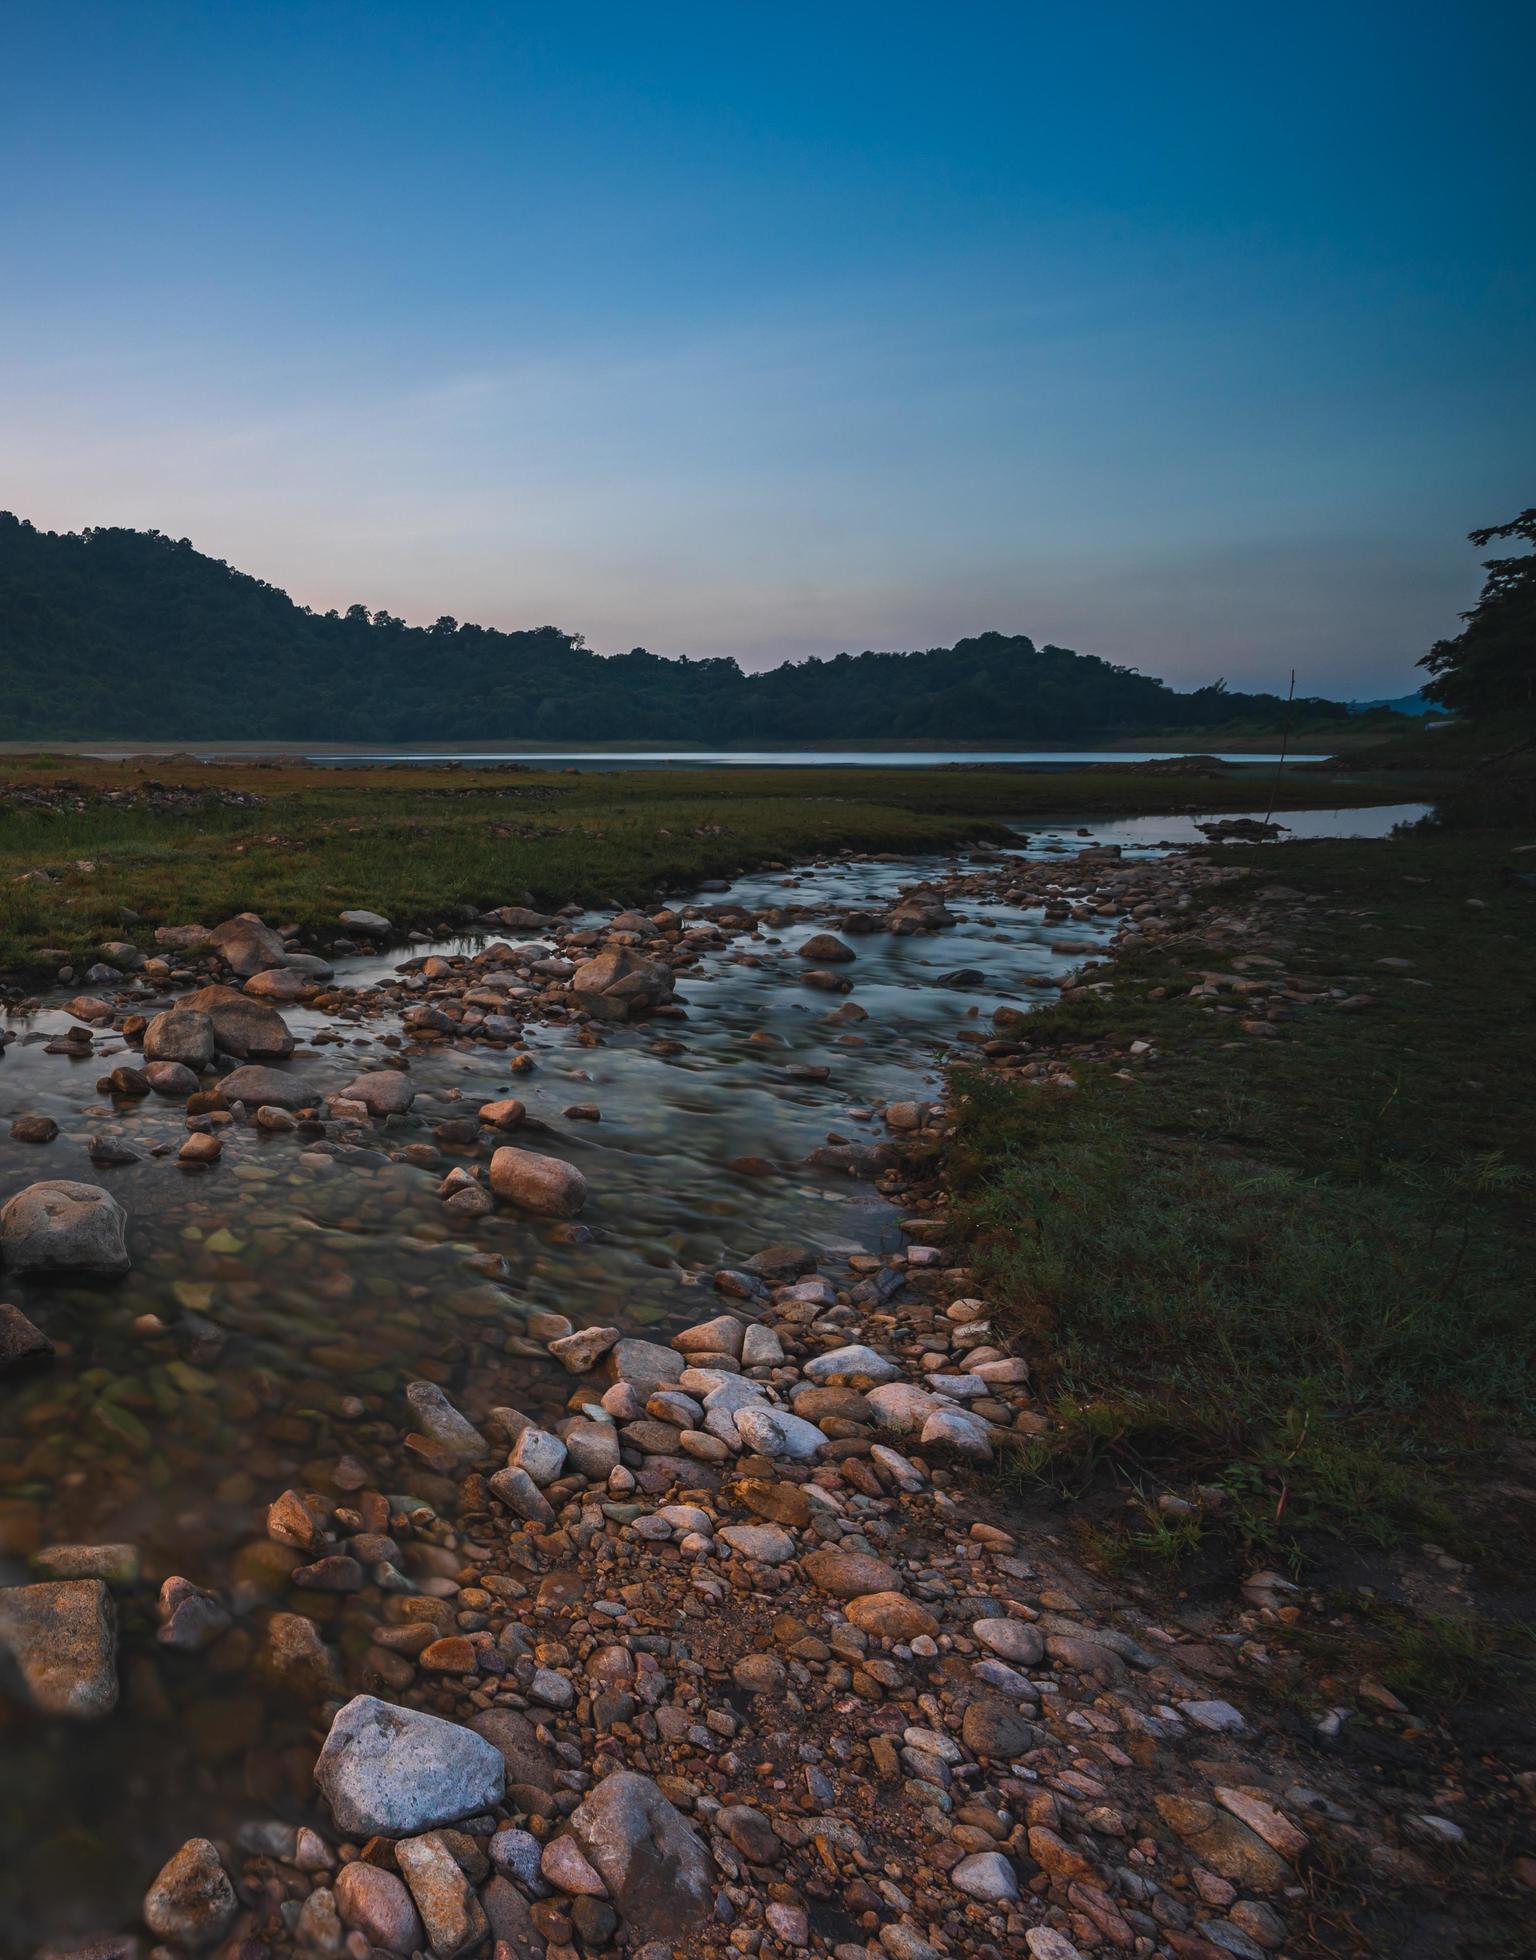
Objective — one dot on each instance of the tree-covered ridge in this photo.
(121, 634)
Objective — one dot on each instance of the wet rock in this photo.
(644, 1364)
(200, 1148)
(181, 1035)
(522, 1496)
(192, 1901)
(539, 1454)
(172, 1079)
(397, 1771)
(825, 947)
(248, 1029)
(546, 1185)
(593, 1447)
(379, 1906)
(657, 1871)
(444, 1897)
(60, 1638)
(20, 1341)
(114, 1565)
(722, 1335)
(581, 1351)
(440, 1420)
(508, 1114)
(298, 1518)
(623, 978)
(382, 1092)
(254, 1085)
(246, 944)
(190, 1618)
(60, 1226)
(34, 1129)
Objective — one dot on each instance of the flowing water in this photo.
(269, 1291)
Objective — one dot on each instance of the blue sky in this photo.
(1192, 336)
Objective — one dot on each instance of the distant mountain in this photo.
(133, 636)
(1404, 704)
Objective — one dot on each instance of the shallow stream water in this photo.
(285, 1281)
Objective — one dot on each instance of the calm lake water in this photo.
(286, 1281)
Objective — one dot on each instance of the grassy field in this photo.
(1301, 1269)
(83, 841)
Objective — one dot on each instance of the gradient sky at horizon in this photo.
(1190, 338)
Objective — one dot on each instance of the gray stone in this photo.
(180, 1036)
(60, 1226)
(246, 1028)
(646, 1365)
(440, 1420)
(253, 1086)
(398, 1771)
(382, 1092)
(658, 1873)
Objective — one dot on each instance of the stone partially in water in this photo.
(382, 1092)
(396, 1771)
(61, 1638)
(20, 1341)
(180, 1035)
(254, 1086)
(192, 1901)
(247, 945)
(173, 1079)
(60, 1226)
(441, 1421)
(243, 1027)
(547, 1185)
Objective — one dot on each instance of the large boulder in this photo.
(60, 1226)
(658, 1873)
(547, 1185)
(254, 1086)
(247, 945)
(396, 1771)
(622, 979)
(182, 1036)
(245, 1028)
(60, 1638)
(382, 1092)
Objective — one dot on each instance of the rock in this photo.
(750, 1833)
(382, 1092)
(546, 1185)
(298, 1518)
(566, 1867)
(851, 1364)
(378, 1905)
(61, 1637)
(761, 1348)
(529, 1763)
(778, 1432)
(622, 977)
(593, 1447)
(284, 983)
(522, 1496)
(644, 1364)
(441, 1421)
(722, 1335)
(396, 1771)
(180, 1035)
(173, 1079)
(247, 945)
(824, 947)
(192, 1901)
(254, 1085)
(995, 1728)
(509, 1114)
(657, 1871)
(202, 1147)
(190, 1618)
(59, 1226)
(891, 1616)
(848, 1575)
(1224, 1843)
(769, 1544)
(1014, 1640)
(1045, 1943)
(245, 1028)
(444, 1896)
(372, 925)
(114, 1565)
(581, 1351)
(986, 1875)
(34, 1129)
(956, 1429)
(538, 1453)
(20, 1341)
(760, 1674)
(904, 1407)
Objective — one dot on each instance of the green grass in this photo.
(417, 842)
(1300, 1269)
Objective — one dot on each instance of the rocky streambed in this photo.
(489, 1457)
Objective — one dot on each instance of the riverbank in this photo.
(86, 847)
(429, 1383)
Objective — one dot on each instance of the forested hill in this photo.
(131, 635)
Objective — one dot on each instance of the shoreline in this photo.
(654, 1589)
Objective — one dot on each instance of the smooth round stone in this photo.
(986, 1875)
(1011, 1640)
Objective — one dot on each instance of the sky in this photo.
(1192, 336)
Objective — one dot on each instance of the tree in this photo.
(1490, 666)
